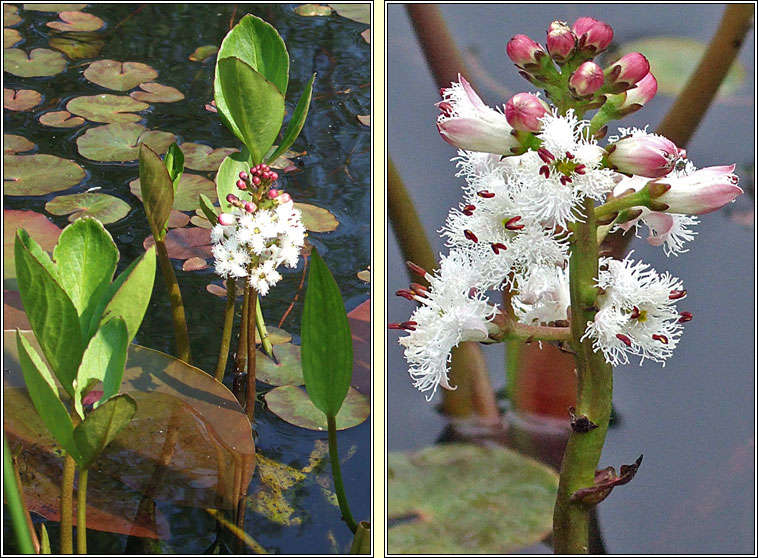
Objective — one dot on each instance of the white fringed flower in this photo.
(636, 313)
(542, 296)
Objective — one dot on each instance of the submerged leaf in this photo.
(202, 53)
(103, 207)
(78, 46)
(120, 76)
(292, 404)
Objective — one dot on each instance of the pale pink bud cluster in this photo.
(646, 155)
(593, 36)
(627, 71)
(587, 79)
(703, 191)
(524, 110)
(524, 52)
(561, 41)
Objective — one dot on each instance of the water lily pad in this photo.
(202, 53)
(10, 15)
(311, 10)
(16, 144)
(22, 99)
(673, 59)
(357, 12)
(177, 219)
(291, 404)
(189, 188)
(183, 244)
(53, 7)
(76, 21)
(467, 499)
(60, 119)
(366, 35)
(36, 175)
(78, 46)
(364, 275)
(103, 207)
(11, 38)
(156, 93)
(194, 264)
(120, 142)
(364, 119)
(105, 108)
(288, 372)
(39, 228)
(120, 76)
(204, 158)
(39, 62)
(276, 335)
(201, 221)
(317, 219)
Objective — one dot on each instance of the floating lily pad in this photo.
(291, 404)
(13, 311)
(187, 191)
(61, 119)
(364, 119)
(366, 35)
(201, 221)
(202, 53)
(359, 320)
(467, 499)
(22, 99)
(357, 12)
(16, 144)
(78, 46)
(39, 62)
(156, 93)
(202, 157)
(276, 335)
(103, 207)
(10, 15)
(317, 219)
(108, 109)
(53, 7)
(39, 228)
(364, 275)
(673, 59)
(36, 175)
(311, 10)
(120, 76)
(177, 219)
(76, 21)
(288, 372)
(11, 38)
(194, 264)
(183, 244)
(120, 142)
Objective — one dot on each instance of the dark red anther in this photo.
(569, 156)
(675, 295)
(624, 339)
(405, 293)
(580, 169)
(513, 225)
(407, 326)
(566, 180)
(662, 338)
(635, 313)
(442, 91)
(417, 269)
(471, 236)
(485, 194)
(446, 108)
(545, 171)
(468, 210)
(545, 155)
(685, 317)
(420, 290)
(497, 246)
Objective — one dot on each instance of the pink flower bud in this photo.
(524, 52)
(524, 110)
(645, 90)
(273, 193)
(231, 198)
(243, 175)
(274, 176)
(628, 70)
(226, 219)
(703, 191)
(256, 180)
(561, 41)
(647, 155)
(587, 79)
(250, 207)
(241, 185)
(593, 36)
(284, 198)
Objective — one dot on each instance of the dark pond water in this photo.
(334, 174)
(693, 420)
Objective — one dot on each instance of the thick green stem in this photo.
(594, 395)
(177, 306)
(252, 298)
(268, 348)
(226, 336)
(67, 505)
(339, 488)
(81, 513)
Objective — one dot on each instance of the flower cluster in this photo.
(258, 235)
(533, 170)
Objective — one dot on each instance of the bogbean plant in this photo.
(541, 194)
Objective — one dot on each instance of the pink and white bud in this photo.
(273, 175)
(628, 70)
(467, 123)
(593, 36)
(231, 198)
(561, 41)
(703, 191)
(241, 185)
(250, 207)
(243, 175)
(644, 154)
(587, 79)
(645, 90)
(273, 193)
(524, 110)
(256, 180)
(284, 198)
(524, 52)
(226, 219)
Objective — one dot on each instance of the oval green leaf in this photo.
(313, 10)
(296, 123)
(291, 404)
(107, 108)
(120, 142)
(202, 53)
(37, 175)
(287, 372)
(156, 189)
(204, 158)
(101, 426)
(38, 63)
(187, 191)
(119, 76)
(76, 21)
(156, 93)
(103, 207)
(467, 499)
(317, 219)
(227, 176)
(10, 15)
(357, 12)
(23, 99)
(60, 119)
(13, 144)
